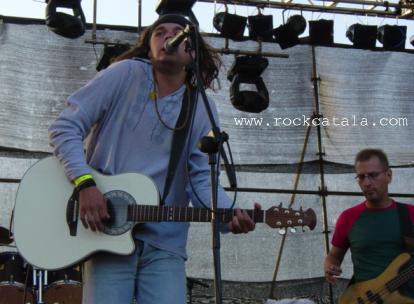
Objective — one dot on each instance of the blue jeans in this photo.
(151, 275)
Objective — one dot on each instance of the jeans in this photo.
(150, 275)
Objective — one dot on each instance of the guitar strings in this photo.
(134, 208)
(142, 212)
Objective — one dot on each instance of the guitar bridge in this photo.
(72, 211)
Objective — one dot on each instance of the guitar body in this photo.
(40, 224)
(357, 293)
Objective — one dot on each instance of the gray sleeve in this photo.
(85, 108)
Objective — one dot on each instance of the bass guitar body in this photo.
(383, 289)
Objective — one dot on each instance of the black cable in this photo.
(194, 70)
(232, 165)
(220, 144)
(198, 81)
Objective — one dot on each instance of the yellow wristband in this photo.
(82, 178)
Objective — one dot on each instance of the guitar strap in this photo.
(406, 227)
(179, 137)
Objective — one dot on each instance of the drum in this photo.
(64, 286)
(13, 274)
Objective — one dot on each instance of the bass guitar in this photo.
(384, 288)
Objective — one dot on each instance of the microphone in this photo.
(171, 45)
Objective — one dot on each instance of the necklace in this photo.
(154, 97)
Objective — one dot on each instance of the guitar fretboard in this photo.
(149, 213)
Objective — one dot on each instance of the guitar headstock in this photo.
(279, 217)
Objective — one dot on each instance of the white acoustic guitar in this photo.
(49, 234)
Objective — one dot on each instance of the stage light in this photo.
(109, 53)
(321, 32)
(260, 27)
(287, 35)
(247, 69)
(230, 25)
(64, 24)
(392, 37)
(362, 36)
(181, 7)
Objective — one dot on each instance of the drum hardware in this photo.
(6, 237)
(21, 283)
(39, 280)
(64, 286)
(15, 285)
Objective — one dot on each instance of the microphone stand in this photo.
(212, 146)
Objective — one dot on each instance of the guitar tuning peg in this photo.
(293, 230)
(282, 231)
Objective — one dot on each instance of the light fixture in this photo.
(287, 35)
(260, 27)
(69, 26)
(362, 36)
(247, 69)
(230, 25)
(181, 7)
(109, 53)
(392, 37)
(321, 32)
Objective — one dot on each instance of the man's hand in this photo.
(332, 272)
(332, 265)
(93, 209)
(241, 222)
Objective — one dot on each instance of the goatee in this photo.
(168, 67)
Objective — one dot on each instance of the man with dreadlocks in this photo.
(130, 112)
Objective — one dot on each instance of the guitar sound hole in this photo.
(111, 221)
(117, 204)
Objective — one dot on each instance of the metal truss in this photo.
(403, 9)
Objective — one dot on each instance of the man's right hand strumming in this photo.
(332, 264)
(93, 208)
(332, 272)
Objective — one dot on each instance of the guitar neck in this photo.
(150, 213)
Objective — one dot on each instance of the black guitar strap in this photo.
(178, 140)
(406, 227)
